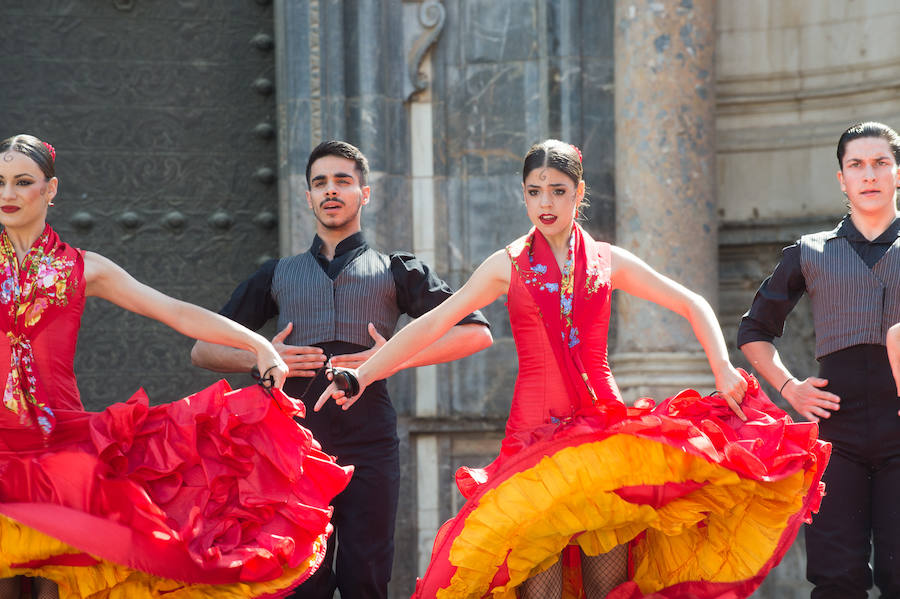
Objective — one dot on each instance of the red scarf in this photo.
(44, 282)
(563, 298)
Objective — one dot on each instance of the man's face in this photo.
(335, 194)
(869, 176)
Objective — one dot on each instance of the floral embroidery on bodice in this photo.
(41, 302)
(560, 321)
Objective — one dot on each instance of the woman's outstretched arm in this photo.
(634, 276)
(487, 283)
(109, 281)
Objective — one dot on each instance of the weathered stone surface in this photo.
(152, 111)
(665, 183)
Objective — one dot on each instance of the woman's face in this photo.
(869, 176)
(551, 199)
(24, 192)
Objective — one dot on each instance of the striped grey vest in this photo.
(851, 303)
(324, 310)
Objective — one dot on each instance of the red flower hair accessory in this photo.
(50, 149)
(577, 151)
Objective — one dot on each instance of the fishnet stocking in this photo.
(10, 588)
(602, 573)
(546, 585)
(44, 588)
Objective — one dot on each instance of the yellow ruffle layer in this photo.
(725, 531)
(22, 544)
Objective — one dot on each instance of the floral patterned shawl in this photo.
(43, 282)
(566, 299)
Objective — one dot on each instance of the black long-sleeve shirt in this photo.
(779, 293)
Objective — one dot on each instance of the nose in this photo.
(546, 200)
(869, 172)
(6, 191)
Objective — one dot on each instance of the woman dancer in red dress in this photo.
(696, 497)
(220, 494)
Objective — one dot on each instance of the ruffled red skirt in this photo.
(220, 494)
(707, 504)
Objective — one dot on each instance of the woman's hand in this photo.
(270, 365)
(808, 398)
(732, 387)
(335, 391)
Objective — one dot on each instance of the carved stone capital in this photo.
(423, 22)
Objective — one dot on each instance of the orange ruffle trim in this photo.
(707, 504)
(528, 520)
(20, 544)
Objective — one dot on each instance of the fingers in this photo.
(351, 360)
(340, 398)
(345, 402)
(826, 396)
(831, 403)
(301, 350)
(330, 391)
(279, 375)
(283, 333)
(818, 383)
(819, 412)
(814, 408)
(376, 336)
(736, 408)
(302, 360)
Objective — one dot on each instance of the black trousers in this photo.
(364, 517)
(861, 507)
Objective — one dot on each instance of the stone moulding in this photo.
(422, 25)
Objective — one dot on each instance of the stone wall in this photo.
(163, 120)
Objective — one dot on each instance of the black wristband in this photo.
(266, 380)
(785, 385)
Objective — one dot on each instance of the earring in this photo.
(50, 203)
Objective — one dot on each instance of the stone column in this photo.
(298, 87)
(337, 78)
(665, 184)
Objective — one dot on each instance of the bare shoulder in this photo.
(94, 266)
(620, 257)
(99, 269)
(498, 265)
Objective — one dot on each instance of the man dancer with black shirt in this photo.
(334, 300)
(852, 277)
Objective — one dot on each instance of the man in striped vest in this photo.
(340, 298)
(852, 276)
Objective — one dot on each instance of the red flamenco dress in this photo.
(706, 503)
(220, 494)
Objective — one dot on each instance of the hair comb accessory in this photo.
(50, 149)
(577, 151)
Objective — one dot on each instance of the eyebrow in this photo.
(336, 176)
(855, 159)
